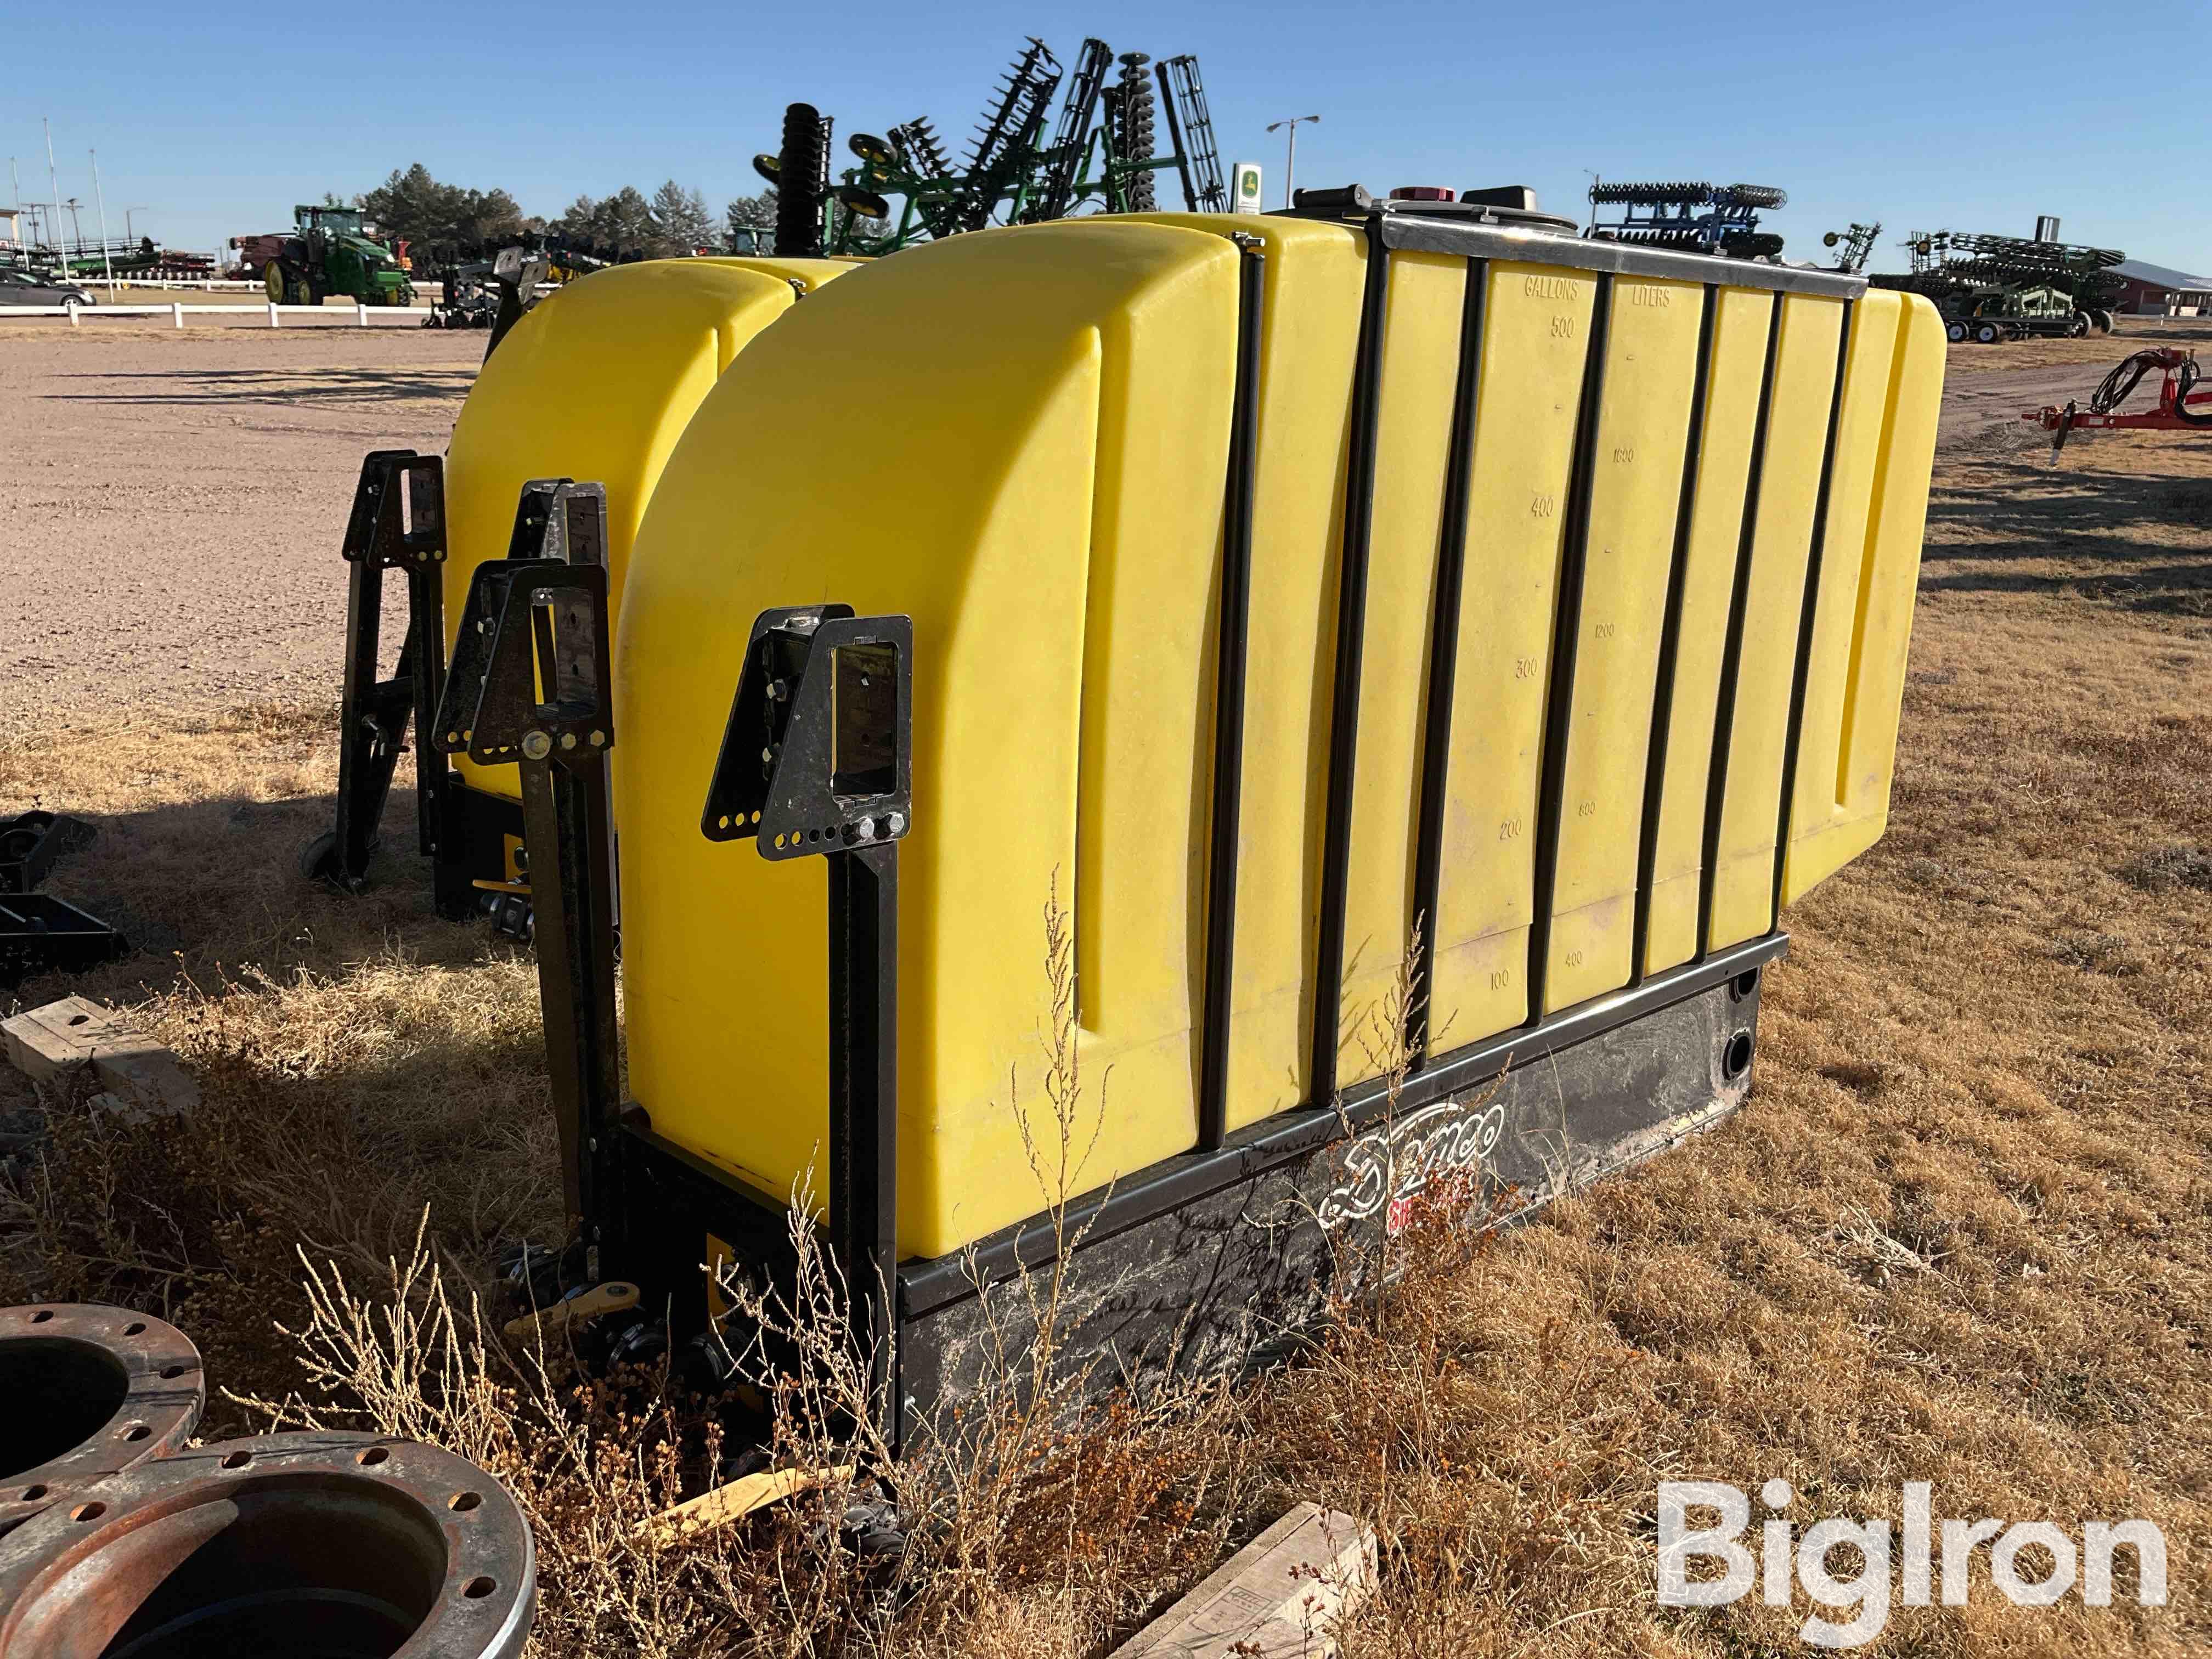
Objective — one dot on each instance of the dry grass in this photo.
(1962, 1233)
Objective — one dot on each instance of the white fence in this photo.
(233, 283)
(362, 315)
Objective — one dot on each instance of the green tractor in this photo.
(331, 252)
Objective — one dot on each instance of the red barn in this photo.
(2160, 291)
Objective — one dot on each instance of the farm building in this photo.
(2160, 291)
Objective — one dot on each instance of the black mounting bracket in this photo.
(530, 684)
(560, 519)
(398, 523)
(818, 754)
(516, 272)
(817, 759)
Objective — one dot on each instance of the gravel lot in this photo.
(172, 505)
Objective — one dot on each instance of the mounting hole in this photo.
(79, 1019)
(238, 1460)
(373, 1456)
(33, 1494)
(135, 1432)
(171, 1373)
(722, 822)
(42, 1315)
(1735, 1059)
(462, 1502)
(477, 1588)
(88, 1511)
(136, 1328)
(1743, 985)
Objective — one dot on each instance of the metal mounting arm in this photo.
(398, 523)
(817, 759)
(530, 684)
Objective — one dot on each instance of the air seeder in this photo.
(1102, 154)
(1275, 592)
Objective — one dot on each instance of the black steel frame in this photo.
(397, 522)
(1566, 637)
(1443, 638)
(530, 684)
(1670, 639)
(1732, 649)
(1230, 667)
(462, 830)
(1351, 656)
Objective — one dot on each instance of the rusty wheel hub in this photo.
(89, 1392)
(320, 1545)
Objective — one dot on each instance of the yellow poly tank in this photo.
(596, 383)
(1658, 467)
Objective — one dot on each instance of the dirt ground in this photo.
(173, 504)
(1961, 1233)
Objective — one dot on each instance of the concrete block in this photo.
(49, 1044)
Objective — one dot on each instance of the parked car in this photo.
(22, 288)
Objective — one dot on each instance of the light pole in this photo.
(53, 184)
(99, 200)
(1290, 162)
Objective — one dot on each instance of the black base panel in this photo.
(1202, 1288)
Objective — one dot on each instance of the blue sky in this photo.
(1922, 116)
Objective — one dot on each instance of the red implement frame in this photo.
(2180, 408)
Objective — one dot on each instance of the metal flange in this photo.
(85, 1392)
(342, 1546)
